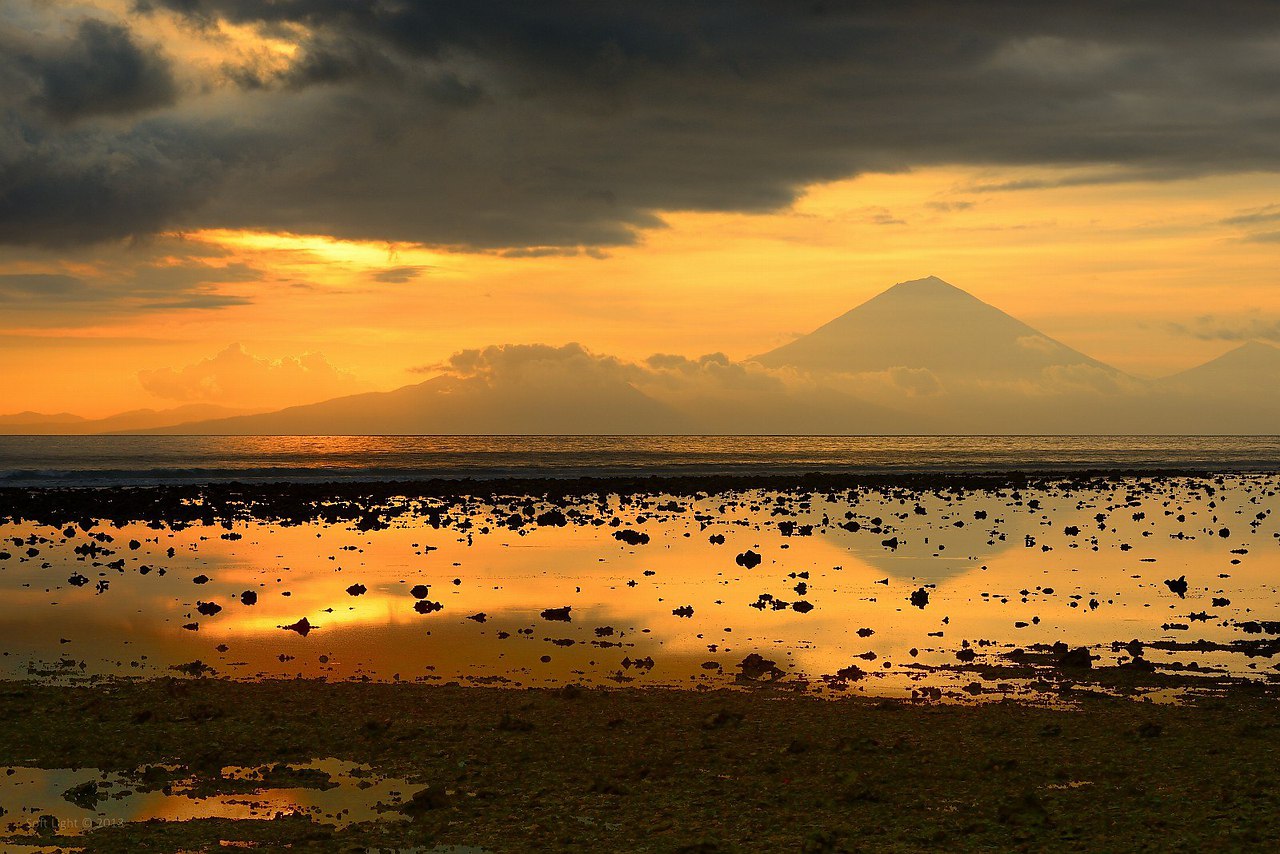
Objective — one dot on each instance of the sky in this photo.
(259, 204)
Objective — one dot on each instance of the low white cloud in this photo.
(237, 377)
(503, 364)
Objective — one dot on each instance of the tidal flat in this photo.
(480, 769)
(812, 663)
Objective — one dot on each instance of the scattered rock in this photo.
(302, 627)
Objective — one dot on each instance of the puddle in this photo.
(71, 802)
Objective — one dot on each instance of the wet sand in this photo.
(670, 771)
(850, 645)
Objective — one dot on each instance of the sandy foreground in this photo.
(669, 771)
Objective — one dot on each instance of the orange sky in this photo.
(1108, 268)
(1152, 276)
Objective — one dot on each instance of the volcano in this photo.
(931, 325)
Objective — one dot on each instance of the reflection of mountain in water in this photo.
(917, 554)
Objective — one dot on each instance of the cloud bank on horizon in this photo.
(506, 124)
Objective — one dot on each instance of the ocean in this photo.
(107, 460)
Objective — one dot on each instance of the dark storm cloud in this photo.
(75, 186)
(81, 157)
(509, 124)
(102, 71)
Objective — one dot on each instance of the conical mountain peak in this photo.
(928, 286)
(928, 324)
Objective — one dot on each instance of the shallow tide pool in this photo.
(882, 591)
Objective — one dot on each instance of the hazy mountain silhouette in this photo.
(449, 405)
(43, 419)
(932, 325)
(1238, 392)
(65, 424)
(923, 357)
(1252, 368)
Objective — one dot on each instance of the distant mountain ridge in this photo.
(137, 420)
(448, 405)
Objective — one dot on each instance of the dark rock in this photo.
(852, 673)
(552, 518)
(1078, 658)
(302, 627)
(511, 723)
(756, 666)
(721, 719)
(84, 795)
(433, 797)
(631, 538)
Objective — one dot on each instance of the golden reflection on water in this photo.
(984, 576)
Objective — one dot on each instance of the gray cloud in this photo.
(64, 298)
(1254, 216)
(400, 275)
(197, 301)
(503, 124)
(55, 287)
(1213, 328)
(101, 71)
